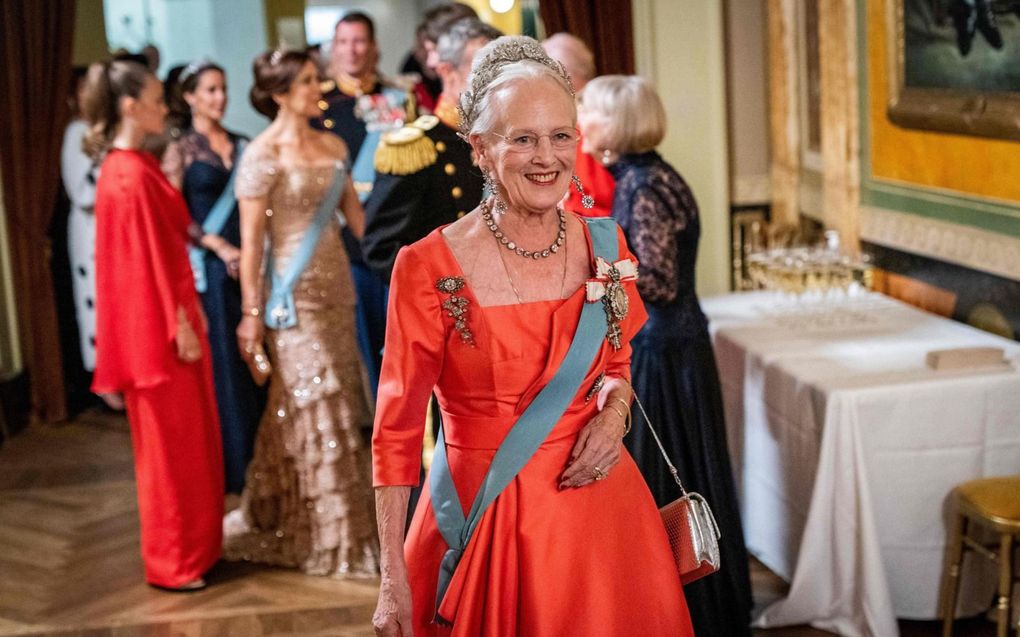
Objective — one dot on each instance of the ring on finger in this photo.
(599, 473)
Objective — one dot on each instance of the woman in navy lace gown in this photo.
(200, 164)
(673, 368)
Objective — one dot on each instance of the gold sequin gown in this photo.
(308, 500)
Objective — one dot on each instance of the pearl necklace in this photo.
(490, 221)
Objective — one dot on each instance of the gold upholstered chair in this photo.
(994, 505)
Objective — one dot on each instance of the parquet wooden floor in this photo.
(70, 564)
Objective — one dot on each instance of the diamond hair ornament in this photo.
(505, 51)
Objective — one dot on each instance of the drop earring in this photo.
(607, 157)
(587, 201)
(499, 206)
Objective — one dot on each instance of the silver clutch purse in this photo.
(691, 527)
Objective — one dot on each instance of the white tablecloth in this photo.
(845, 446)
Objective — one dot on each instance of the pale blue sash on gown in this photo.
(280, 310)
(527, 434)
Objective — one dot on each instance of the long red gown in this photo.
(592, 561)
(142, 277)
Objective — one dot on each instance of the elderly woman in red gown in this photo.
(151, 346)
(484, 312)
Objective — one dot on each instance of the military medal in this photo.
(607, 286)
(616, 305)
(380, 111)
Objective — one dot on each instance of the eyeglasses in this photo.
(526, 142)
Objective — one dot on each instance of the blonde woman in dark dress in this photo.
(673, 367)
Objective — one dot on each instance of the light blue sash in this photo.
(214, 223)
(363, 170)
(527, 434)
(280, 310)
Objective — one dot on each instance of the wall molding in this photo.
(967, 246)
(746, 190)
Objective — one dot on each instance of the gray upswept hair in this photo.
(498, 65)
(452, 42)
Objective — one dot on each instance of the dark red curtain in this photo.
(35, 71)
(604, 25)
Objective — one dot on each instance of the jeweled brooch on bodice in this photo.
(456, 306)
(607, 286)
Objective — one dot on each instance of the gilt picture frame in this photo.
(954, 66)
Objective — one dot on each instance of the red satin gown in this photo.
(593, 561)
(142, 277)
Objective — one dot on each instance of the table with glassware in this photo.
(845, 445)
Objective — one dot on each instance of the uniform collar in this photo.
(356, 87)
(446, 111)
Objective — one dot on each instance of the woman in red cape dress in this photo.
(561, 551)
(151, 344)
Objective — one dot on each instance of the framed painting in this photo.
(954, 66)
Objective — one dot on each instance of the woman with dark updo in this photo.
(307, 501)
(152, 355)
(201, 164)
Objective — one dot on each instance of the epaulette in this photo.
(326, 86)
(408, 149)
(426, 122)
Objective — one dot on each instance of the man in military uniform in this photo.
(360, 106)
(424, 174)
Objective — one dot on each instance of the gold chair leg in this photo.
(1002, 607)
(951, 574)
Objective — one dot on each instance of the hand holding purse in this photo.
(691, 527)
(259, 365)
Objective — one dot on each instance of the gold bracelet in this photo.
(252, 311)
(618, 412)
(624, 402)
(626, 420)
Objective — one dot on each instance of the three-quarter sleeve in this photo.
(412, 362)
(655, 222)
(257, 172)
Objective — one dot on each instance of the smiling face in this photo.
(531, 151)
(209, 99)
(302, 98)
